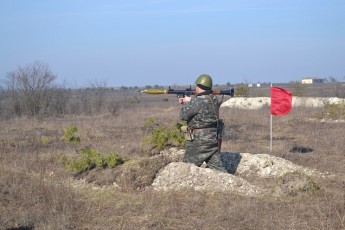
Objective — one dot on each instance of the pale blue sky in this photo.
(168, 42)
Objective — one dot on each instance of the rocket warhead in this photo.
(155, 91)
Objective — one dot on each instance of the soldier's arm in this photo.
(189, 110)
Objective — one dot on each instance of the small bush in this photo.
(297, 183)
(69, 134)
(89, 159)
(162, 136)
(44, 140)
(242, 91)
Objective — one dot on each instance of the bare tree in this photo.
(98, 91)
(28, 86)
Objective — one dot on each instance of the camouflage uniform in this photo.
(201, 114)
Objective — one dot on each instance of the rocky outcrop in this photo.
(249, 175)
(179, 175)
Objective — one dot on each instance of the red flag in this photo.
(281, 101)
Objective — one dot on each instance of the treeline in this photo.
(32, 91)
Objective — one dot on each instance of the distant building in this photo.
(257, 85)
(312, 80)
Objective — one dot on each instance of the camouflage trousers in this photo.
(204, 148)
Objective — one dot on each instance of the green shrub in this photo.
(149, 122)
(162, 136)
(296, 183)
(89, 159)
(44, 140)
(242, 91)
(69, 134)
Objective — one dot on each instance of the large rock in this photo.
(267, 166)
(179, 175)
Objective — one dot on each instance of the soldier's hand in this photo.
(183, 100)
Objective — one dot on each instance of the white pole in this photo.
(271, 133)
(271, 127)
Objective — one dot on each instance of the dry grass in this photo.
(36, 192)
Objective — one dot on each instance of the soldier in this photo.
(201, 112)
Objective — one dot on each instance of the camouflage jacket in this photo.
(201, 112)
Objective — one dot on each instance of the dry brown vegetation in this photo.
(37, 192)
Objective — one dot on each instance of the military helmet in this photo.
(204, 80)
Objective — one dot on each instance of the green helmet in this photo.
(204, 80)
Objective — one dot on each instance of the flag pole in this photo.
(271, 118)
(271, 133)
(281, 104)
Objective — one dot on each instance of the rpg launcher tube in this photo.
(186, 92)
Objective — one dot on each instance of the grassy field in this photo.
(38, 192)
